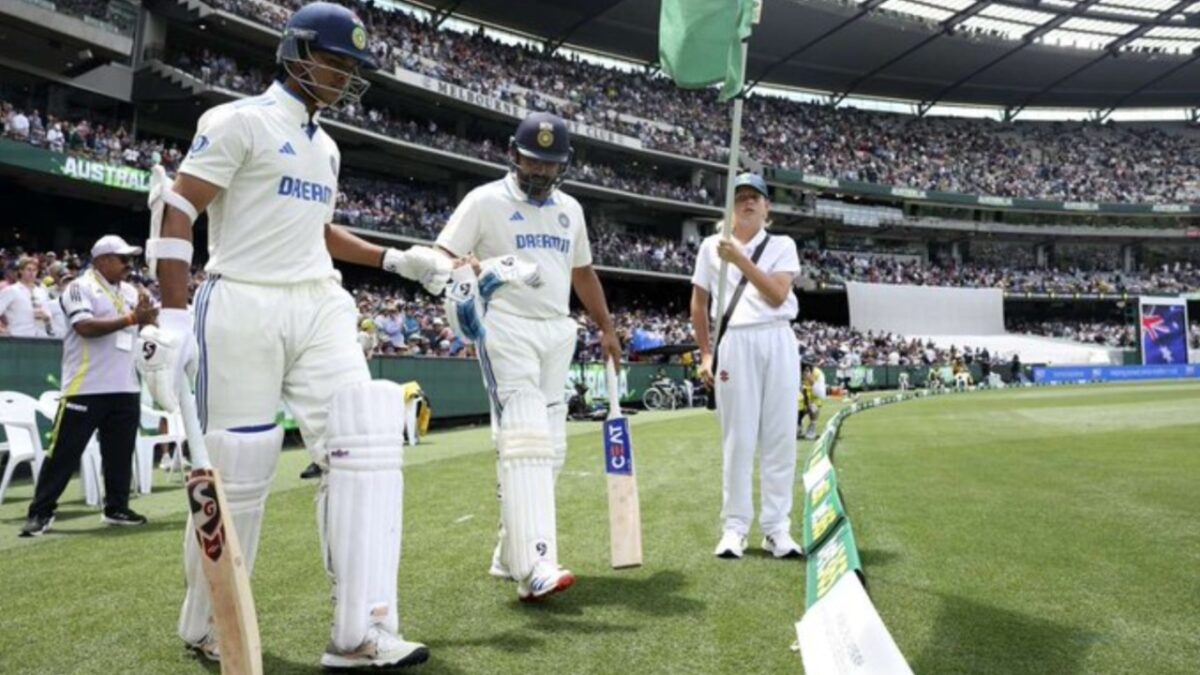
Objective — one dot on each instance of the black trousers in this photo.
(116, 416)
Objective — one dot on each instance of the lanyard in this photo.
(117, 301)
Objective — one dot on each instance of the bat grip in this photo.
(614, 389)
(191, 428)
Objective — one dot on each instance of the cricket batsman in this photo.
(533, 243)
(273, 323)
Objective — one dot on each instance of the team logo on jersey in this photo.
(545, 137)
(724, 375)
(564, 220)
(199, 145)
(359, 37)
(515, 217)
(287, 149)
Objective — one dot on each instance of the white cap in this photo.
(111, 244)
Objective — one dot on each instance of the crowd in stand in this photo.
(837, 267)
(1109, 334)
(644, 252)
(1071, 161)
(223, 71)
(98, 9)
(84, 137)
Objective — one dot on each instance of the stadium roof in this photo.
(1100, 54)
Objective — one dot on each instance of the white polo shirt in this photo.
(779, 256)
(105, 364)
(278, 170)
(497, 219)
(17, 302)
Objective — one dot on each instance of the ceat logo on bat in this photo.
(617, 456)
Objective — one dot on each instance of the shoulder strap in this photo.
(737, 295)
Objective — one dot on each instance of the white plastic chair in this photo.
(91, 470)
(18, 416)
(143, 460)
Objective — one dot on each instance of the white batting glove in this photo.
(420, 263)
(507, 269)
(169, 357)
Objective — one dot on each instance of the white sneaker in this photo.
(380, 649)
(731, 546)
(544, 581)
(781, 545)
(206, 648)
(498, 568)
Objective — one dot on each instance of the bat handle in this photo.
(614, 389)
(191, 428)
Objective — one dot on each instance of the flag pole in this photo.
(735, 141)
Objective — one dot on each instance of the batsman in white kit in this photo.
(756, 368)
(533, 243)
(272, 323)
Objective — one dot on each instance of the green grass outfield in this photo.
(1050, 530)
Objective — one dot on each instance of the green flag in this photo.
(700, 42)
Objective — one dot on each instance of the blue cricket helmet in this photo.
(326, 27)
(543, 136)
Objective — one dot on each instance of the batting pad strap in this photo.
(359, 508)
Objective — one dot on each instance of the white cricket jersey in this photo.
(17, 303)
(278, 170)
(779, 256)
(497, 219)
(96, 365)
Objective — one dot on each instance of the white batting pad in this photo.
(246, 462)
(527, 499)
(359, 508)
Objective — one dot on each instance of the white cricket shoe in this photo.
(498, 568)
(380, 649)
(545, 580)
(781, 545)
(731, 546)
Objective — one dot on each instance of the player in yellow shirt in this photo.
(812, 393)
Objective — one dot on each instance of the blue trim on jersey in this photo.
(202, 299)
(257, 428)
(489, 377)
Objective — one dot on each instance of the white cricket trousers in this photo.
(261, 344)
(757, 384)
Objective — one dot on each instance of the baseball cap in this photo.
(111, 244)
(752, 180)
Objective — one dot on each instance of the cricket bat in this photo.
(624, 514)
(221, 555)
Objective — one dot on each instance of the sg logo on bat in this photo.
(618, 459)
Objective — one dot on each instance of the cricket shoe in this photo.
(123, 517)
(36, 526)
(544, 581)
(206, 648)
(731, 546)
(781, 545)
(381, 649)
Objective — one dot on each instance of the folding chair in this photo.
(18, 417)
(143, 461)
